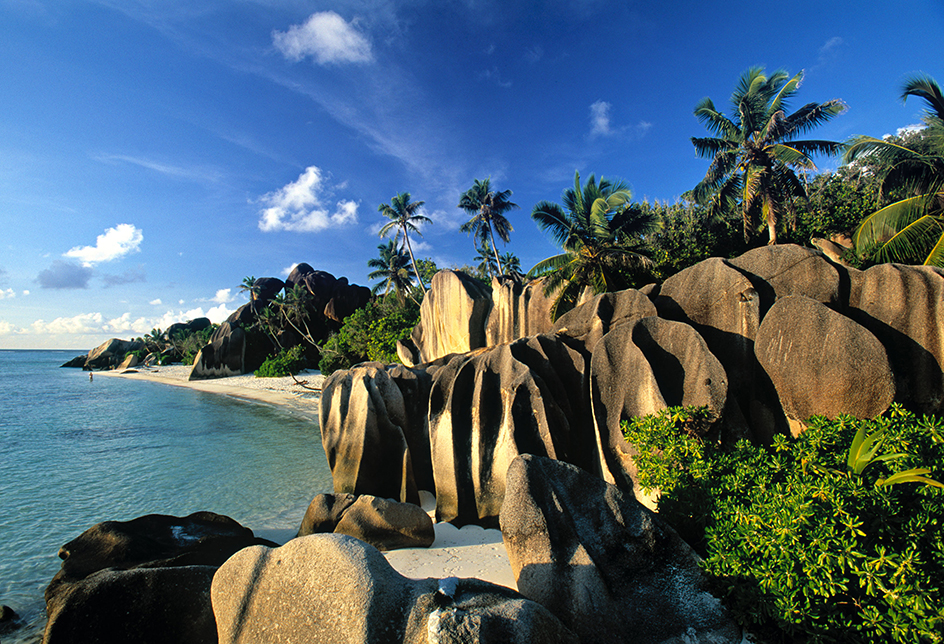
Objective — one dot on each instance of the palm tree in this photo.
(910, 229)
(754, 152)
(403, 217)
(511, 262)
(249, 286)
(593, 227)
(488, 264)
(393, 268)
(488, 208)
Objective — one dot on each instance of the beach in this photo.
(471, 551)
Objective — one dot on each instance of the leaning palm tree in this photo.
(592, 228)
(754, 152)
(488, 208)
(911, 228)
(393, 269)
(404, 215)
(250, 286)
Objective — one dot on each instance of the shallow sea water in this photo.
(74, 453)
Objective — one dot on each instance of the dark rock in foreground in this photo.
(607, 567)
(143, 605)
(333, 589)
(149, 574)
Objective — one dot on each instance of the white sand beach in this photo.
(471, 551)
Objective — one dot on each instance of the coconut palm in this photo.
(754, 152)
(592, 227)
(249, 286)
(487, 260)
(488, 208)
(404, 215)
(393, 269)
(910, 229)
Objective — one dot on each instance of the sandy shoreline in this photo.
(467, 552)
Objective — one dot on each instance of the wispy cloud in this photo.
(327, 38)
(600, 119)
(299, 206)
(111, 245)
(494, 76)
(199, 174)
(7, 294)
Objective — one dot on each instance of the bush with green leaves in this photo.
(370, 333)
(287, 362)
(836, 536)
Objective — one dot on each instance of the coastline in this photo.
(470, 551)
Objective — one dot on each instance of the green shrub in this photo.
(370, 333)
(796, 542)
(286, 362)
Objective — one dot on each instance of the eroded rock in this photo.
(452, 316)
(383, 523)
(607, 567)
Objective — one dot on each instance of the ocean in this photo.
(74, 453)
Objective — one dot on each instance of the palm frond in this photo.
(925, 87)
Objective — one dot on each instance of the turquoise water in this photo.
(74, 453)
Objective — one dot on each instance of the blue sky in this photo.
(153, 154)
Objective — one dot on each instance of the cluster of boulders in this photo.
(235, 349)
(591, 565)
(764, 341)
(121, 354)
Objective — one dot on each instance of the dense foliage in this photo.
(370, 333)
(801, 540)
(284, 363)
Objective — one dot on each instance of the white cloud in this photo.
(82, 323)
(223, 296)
(9, 329)
(26, 292)
(181, 302)
(125, 324)
(600, 119)
(114, 243)
(218, 314)
(7, 294)
(155, 302)
(288, 271)
(298, 206)
(327, 38)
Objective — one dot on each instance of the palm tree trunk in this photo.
(501, 269)
(413, 259)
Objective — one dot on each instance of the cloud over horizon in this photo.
(327, 38)
(298, 207)
(113, 244)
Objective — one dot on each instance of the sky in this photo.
(153, 153)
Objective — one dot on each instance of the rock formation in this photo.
(488, 406)
(149, 576)
(109, 354)
(384, 524)
(452, 317)
(519, 309)
(604, 565)
(334, 589)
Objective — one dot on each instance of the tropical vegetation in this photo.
(393, 270)
(831, 537)
(754, 151)
(597, 229)
(910, 229)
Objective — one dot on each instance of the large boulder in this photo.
(607, 567)
(266, 289)
(642, 367)
(364, 427)
(223, 356)
(384, 524)
(788, 269)
(144, 605)
(590, 321)
(452, 317)
(519, 309)
(333, 589)
(153, 540)
(903, 306)
(151, 574)
(488, 406)
(823, 363)
(720, 302)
